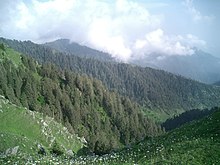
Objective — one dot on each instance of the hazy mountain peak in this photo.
(67, 46)
(199, 66)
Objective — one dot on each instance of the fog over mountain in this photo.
(200, 66)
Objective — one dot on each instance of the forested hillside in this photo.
(72, 48)
(200, 66)
(186, 117)
(194, 143)
(106, 119)
(153, 89)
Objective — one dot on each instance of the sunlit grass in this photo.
(11, 55)
(26, 129)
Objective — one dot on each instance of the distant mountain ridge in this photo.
(65, 45)
(186, 117)
(200, 66)
(217, 83)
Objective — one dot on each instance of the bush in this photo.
(2, 47)
(56, 149)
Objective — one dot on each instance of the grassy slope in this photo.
(194, 143)
(26, 129)
(12, 55)
(17, 122)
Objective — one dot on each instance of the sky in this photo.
(127, 29)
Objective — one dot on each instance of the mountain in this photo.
(66, 46)
(186, 117)
(200, 66)
(111, 115)
(197, 142)
(217, 83)
(161, 94)
(106, 119)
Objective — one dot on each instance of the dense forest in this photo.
(186, 117)
(109, 112)
(107, 120)
(150, 88)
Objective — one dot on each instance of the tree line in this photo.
(186, 117)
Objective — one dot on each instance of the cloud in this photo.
(195, 41)
(196, 14)
(162, 44)
(124, 28)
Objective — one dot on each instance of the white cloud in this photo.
(194, 40)
(196, 14)
(25, 17)
(124, 28)
(157, 42)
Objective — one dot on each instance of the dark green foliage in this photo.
(153, 89)
(84, 151)
(106, 119)
(186, 117)
(217, 83)
(2, 47)
(56, 149)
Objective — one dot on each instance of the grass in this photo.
(155, 115)
(15, 58)
(11, 55)
(159, 116)
(37, 76)
(24, 128)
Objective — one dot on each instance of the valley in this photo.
(121, 82)
(65, 109)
